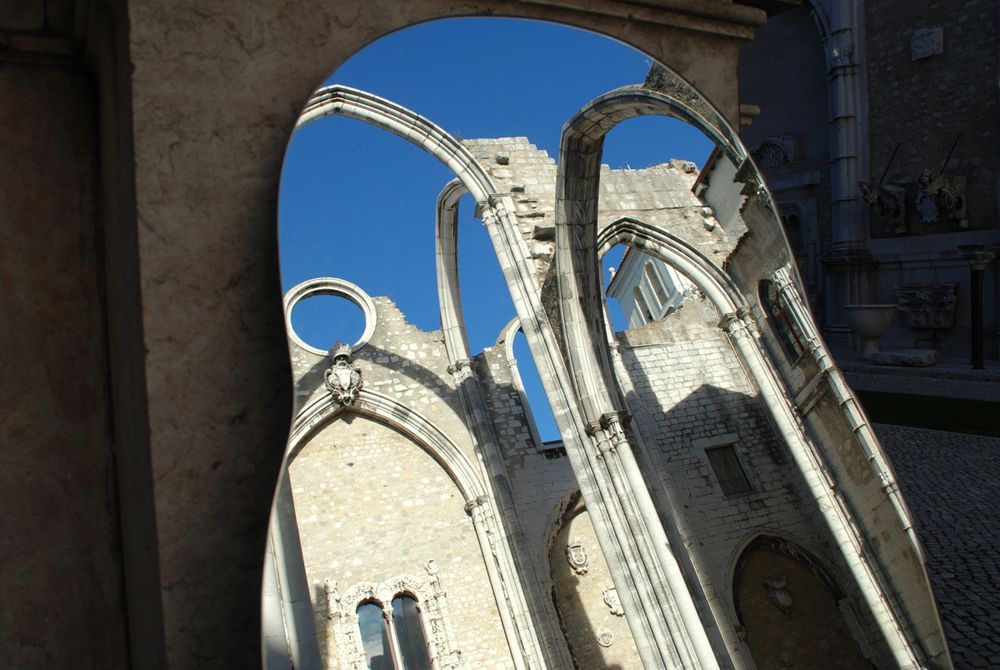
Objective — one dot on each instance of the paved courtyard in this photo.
(952, 484)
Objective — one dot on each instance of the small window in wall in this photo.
(402, 646)
(728, 470)
(781, 320)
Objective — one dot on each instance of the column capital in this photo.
(462, 369)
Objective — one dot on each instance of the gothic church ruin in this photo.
(718, 498)
(715, 476)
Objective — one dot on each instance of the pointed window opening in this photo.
(640, 300)
(781, 320)
(409, 634)
(659, 290)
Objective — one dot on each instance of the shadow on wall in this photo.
(322, 632)
(694, 397)
(596, 634)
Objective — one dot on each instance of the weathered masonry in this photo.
(718, 499)
(146, 377)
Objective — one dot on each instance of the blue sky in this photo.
(358, 203)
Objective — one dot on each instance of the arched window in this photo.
(642, 305)
(781, 319)
(374, 636)
(401, 646)
(409, 634)
(659, 290)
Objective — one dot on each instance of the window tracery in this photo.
(401, 624)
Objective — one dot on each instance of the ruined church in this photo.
(718, 498)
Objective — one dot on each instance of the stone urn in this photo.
(870, 322)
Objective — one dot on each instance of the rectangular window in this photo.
(728, 470)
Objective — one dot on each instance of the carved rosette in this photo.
(342, 379)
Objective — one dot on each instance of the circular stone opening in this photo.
(323, 320)
(321, 312)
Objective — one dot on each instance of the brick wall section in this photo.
(923, 104)
(659, 195)
(689, 386)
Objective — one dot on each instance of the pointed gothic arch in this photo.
(586, 347)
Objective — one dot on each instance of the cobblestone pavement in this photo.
(951, 482)
(941, 388)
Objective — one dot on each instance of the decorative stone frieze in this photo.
(928, 305)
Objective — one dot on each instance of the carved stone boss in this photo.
(342, 379)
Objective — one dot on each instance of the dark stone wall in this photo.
(922, 105)
(61, 577)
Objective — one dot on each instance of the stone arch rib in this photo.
(446, 250)
(588, 354)
(320, 412)
(577, 192)
(338, 100)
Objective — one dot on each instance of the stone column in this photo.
(537, 644)
(848, 260)
(979, 259)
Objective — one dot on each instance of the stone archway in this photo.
(791, 610)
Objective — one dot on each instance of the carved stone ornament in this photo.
(342, 379)
(941, 200)
(772, 152)
(928, 305)
(576, 555)
(605, 637)
(613, 602)
(888, 202)
(778, 594)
